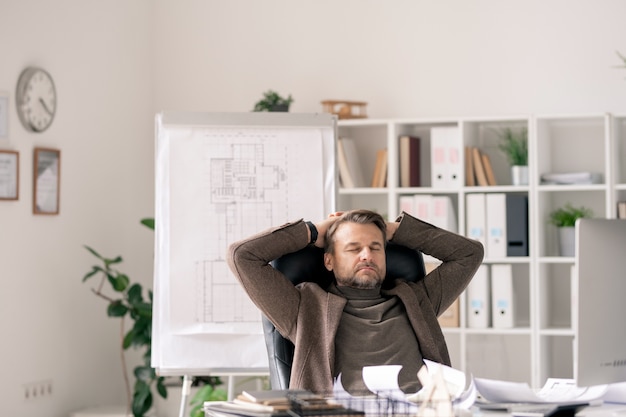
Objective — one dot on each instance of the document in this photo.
(502, 296)
(442, 212)
(555, 390)
(479, 304)
(446, 157)
(476, 217)
(496, 225)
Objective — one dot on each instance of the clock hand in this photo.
(45, 107)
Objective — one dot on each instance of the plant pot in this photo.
(280, 107)
(567, 241)
(519, 175)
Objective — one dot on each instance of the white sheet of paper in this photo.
(382, 378)
(554, 391)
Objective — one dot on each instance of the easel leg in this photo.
(184, 395)
(231, 387)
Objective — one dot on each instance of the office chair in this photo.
(308, 265)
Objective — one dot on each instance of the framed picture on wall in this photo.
(47, 181)
(4, 115)
(9, 175)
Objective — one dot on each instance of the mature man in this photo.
(355, 322)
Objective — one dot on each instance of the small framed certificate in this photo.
(47, 174)
(9, 175)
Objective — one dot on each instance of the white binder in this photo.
(475, 210)
(478, 302)
(446, 156)
(496, 225)
(422, 205)
(443, 214)
(502, 297)
(406, 204)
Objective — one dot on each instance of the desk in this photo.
(605, 410)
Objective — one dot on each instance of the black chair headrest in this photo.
(307, 265)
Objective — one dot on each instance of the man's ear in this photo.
(328, 261)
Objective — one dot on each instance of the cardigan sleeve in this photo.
(249, 260)
(460, 258)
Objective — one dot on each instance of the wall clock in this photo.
(36, 99)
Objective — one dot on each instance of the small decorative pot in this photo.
(567, 241)
(280, 107)
(519, 174)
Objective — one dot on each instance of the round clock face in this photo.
(36, 99)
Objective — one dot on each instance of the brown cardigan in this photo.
(309, 316)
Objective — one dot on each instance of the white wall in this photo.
(116, 62)
(407, 58)
(51, 326)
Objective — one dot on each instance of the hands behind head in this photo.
(323, 226)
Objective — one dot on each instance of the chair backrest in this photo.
(308, 265)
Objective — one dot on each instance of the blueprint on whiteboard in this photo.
(230, 183)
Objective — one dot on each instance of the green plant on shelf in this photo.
(514, 144)
(272, 101)
(567, 215)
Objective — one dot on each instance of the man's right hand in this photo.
(323, 226)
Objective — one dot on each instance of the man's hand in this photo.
(323, 226)
(391, 229)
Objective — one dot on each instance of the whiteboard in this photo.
(221, 177)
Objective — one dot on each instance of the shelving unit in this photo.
(541, 343)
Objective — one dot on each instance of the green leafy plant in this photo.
(208, 392)
(567, 215)
(515, 145)
(129, 302)
(272, 101)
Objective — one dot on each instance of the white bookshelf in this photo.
(540, 345)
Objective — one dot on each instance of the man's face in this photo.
(358, 259)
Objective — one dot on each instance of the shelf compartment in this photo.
(586, 134)
(619, 136)
(503, 357)
(556, 296)
(420, 129)
(556, 357)
(368, 140)
(547, 201)
(486, 135)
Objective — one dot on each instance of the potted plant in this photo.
(564, 218)
(514, 144)
(272, 101)
(129, 302)
(203, 388)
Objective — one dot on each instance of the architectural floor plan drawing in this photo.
(219, 178)
(247, 191)
(236, 183)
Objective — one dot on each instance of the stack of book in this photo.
(621, 209)
(379, 178)
(478, 169)
(410, 164)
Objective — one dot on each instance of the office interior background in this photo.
(117, 63)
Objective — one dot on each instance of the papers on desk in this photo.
(382, 381)
(555, 390)
(616, 393)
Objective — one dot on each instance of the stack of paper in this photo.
(571, 178)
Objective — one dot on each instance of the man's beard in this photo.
(362, 281)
